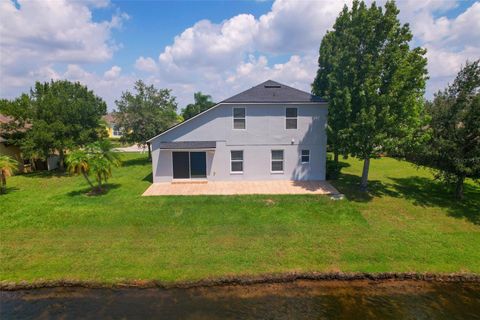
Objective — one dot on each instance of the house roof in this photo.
(188, 145)
(5, 119)
(109, 118)
(272, 91)
(267, 92)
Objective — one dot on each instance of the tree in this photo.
(202, 103)
(96, 158)
(145, 113)
(59, 115)
(8, 166)
(453, 149)
(78, 163)
(373, 80)
(337, 93)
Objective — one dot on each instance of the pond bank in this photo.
(246, 280)
(300, 299)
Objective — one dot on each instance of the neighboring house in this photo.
(24, 165)
(269, 132)
(113, 129)
(9, 149)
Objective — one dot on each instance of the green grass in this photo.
(51, 230)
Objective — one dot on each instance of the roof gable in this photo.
(272, 91)
(266, 92)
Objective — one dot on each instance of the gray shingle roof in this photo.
(188, 145)
(272, 91)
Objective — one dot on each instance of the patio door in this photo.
(189, 165)
(181, 165)
(198, 165)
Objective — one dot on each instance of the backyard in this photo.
(51, 230)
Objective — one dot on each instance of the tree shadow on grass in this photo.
(148, 177)
(349, 185)
(8, 190)
(422, 191)
(426, 192)
(136, 162)
(87, 191)
(45, 174)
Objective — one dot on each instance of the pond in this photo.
(294, 300)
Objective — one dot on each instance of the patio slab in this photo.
(240, 187)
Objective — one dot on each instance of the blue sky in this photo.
(153, 24)
(218, 47)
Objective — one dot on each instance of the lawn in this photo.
(51, 230)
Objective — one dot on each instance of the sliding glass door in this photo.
(188, 165)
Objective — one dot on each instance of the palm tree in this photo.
(8, 166)
(102, 169)
(105, 148)
(78, 162)
(97, 158)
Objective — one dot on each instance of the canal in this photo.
(295, 300)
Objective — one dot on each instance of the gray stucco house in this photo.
(269, 132)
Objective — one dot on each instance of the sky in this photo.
(217, 47)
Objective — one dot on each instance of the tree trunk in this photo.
(335, 158)
(3, 183)
(61, 160)
(99, 179)
(459, 188)
(87, 178)
(34, 166)
(149, 151)
(366, 167)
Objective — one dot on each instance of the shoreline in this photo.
(243, 280)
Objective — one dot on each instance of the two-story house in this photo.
(269, 132)
(114, 131)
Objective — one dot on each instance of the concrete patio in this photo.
(188, 188)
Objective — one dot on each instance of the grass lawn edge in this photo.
(247, 280)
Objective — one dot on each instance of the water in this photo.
(298, 300)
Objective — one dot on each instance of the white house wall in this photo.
(265, 130)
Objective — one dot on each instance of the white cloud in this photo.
(146, 64)
(209, 45)
(297, 71)
(41, 35)
(449, 41)
(296, 26)
(113, 73)
(40, 39)
(232, 55)
(108, 86)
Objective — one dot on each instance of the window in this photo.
(236, 159)
(305, 156)
(238, 118)
(117, 131)
(277, 160)
(291, 118)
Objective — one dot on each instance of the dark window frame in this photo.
(239, 119)
(291, 121)
(276, 161)
(233, 160)
(305, 158)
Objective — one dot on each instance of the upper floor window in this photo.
(291, 118)
(305, 156)
(239, 121)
